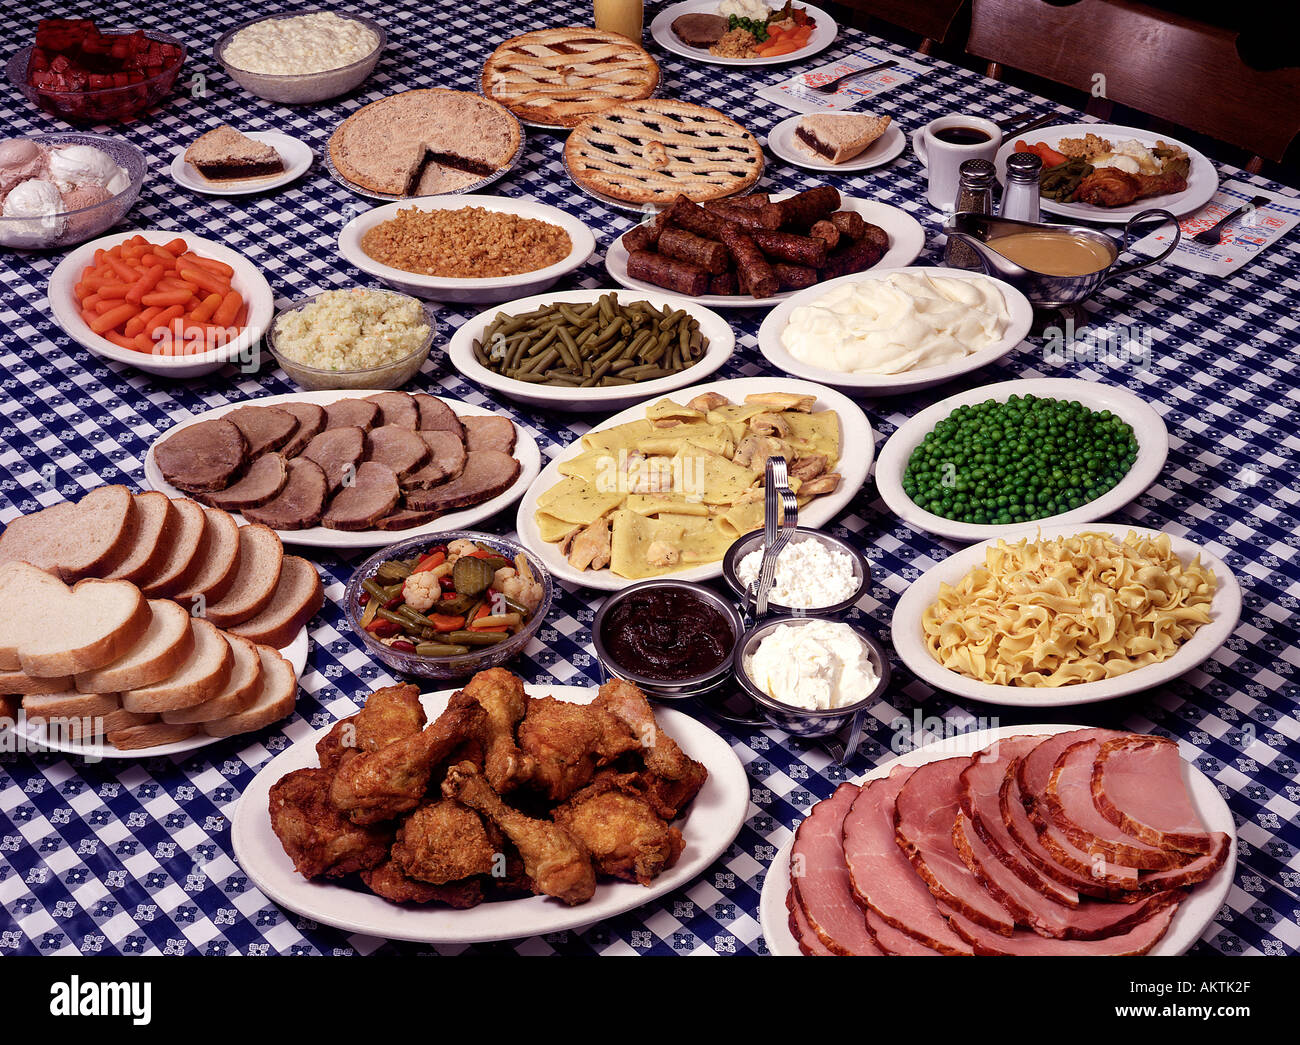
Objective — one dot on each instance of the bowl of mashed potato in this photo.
(888, 331)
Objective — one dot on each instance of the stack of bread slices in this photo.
(173, 624)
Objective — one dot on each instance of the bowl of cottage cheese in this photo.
(817, 574)
(302, 57)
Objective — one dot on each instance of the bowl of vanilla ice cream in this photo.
(58, 190)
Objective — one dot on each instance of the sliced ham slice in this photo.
(882, 877)
(1137, 784)
(821, 879)
(1137, 940)
(264, 479)
(801, 930)
(368, 499)
(1068, 804)
(924, 815)
(895, 941)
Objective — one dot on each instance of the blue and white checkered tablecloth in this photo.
(135, 857)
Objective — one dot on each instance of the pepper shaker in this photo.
(1020, 197)
(974, 196)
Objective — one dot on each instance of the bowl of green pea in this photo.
(981, 463)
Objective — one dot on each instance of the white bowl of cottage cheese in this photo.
(302, 57)
(888, 331)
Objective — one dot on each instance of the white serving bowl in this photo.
(250, 283)
(1148, 428)
(468, 291)
(1020, 317)
(909, 642)
(614, 397)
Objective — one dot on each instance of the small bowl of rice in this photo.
(359, 337)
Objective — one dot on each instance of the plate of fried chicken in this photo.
(493, 812)
(1109, 173)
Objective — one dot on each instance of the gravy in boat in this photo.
(1053, 253)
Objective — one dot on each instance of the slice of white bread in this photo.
(182, 561)
(20, 683)
(276, 699)
(151, 533)
(153, 734)
(219, 564)
(261, 557)
(298, 597)
(49, 630)
(70, 705)
(74, 540)
(160, 653)
(241, 690)
(202, 677)
(100, 725)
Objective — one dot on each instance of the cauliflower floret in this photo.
(461, 547)
(421, 590)
(526, 592)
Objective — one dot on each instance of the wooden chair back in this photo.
(930, 19)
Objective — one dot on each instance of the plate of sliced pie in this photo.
(556, 78)
(228, 162)
(840, 142)
(644, 154)
(424, 143)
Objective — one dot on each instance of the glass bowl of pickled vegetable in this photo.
(448, 605)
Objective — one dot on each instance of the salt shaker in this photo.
(1020, 197)
(974, 196)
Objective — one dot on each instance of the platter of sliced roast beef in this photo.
(341, 469)
(1026, 840)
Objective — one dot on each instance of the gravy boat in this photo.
(1043, 290)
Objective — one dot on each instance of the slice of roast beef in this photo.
(699, 28)
(437, 416)
(208, 455)
(264, 479)
(924, 815)
(400, 448)
(266, 428)
(1068, 803)
(311, 422)
(820, 877)
(883, 878)
(489, 432)
(404, 519)
(300, 504)
(351, 413)
(339, 452)
(801, 930)
(367, 499)
(486, 474)
(446, 461)
(396, 408)
(1137, 784)
(1137, 940)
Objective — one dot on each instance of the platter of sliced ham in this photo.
(1025, 840)
(347, 469)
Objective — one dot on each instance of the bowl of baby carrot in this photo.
(169, 304)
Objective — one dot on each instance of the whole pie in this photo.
(649, 151)
(560, 76)
(421, 143)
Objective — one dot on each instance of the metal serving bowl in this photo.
(1043, 290)
(803, 722)
(668, 689)
(753, 541)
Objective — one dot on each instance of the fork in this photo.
(1210, 237)
(833, 85)
(780, 517)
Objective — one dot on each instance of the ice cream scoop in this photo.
(20, 159)
(82, 163)
(40, 204)
(84, 194)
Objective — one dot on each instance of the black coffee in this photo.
(962, 136)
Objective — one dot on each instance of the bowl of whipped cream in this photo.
(889, 331)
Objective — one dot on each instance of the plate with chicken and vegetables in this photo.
(495, 812)
(1109, 173)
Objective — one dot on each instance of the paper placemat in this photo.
(795, 93)
(1244, 239)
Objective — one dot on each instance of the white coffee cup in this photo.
(942, 159)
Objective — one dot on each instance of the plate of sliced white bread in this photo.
(137, 624)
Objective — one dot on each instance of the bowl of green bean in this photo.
(588, 350)
(448, 605)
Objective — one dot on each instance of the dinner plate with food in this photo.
(343, 469)
(470, 249)
(889, 331)
(1103, 172)
(664, 488)
(183, 627)
(495, 812)
(1051, 616)
(588, 350)
(743, 32)
(839, 143)
(1068, 451)
(229, 162)
(760, 250)
(1036, 841)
